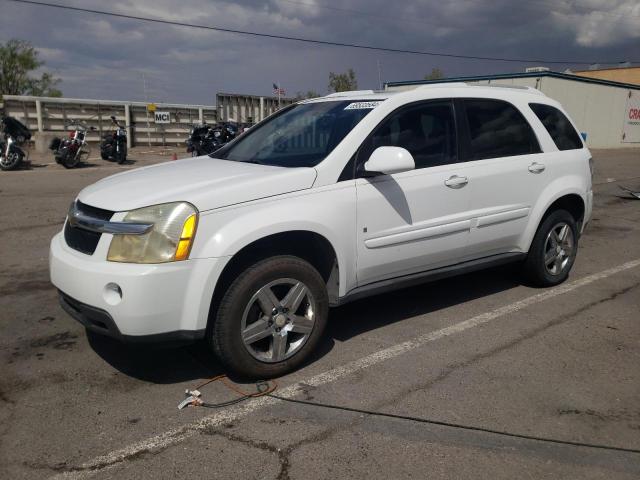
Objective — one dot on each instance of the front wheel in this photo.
(271, 318)
(12, 160)
(553, 250)
(121, 156)
(71, 159)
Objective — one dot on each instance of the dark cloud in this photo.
(103, 57)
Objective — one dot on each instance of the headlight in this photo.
(170, 239)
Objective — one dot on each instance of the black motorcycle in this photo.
(205, 139)
(69, 152)
(15, 136)
(114, 144)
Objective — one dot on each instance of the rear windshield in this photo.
(298, 136)
(558, 126)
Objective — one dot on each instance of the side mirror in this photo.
(389, 160)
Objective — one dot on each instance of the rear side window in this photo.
(498, 129)
(558, 126)
(426, 130)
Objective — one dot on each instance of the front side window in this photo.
(558, 126)
(299, 136)
(498, 129)
(426, 130)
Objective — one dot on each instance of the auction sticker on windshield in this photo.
(362, 105)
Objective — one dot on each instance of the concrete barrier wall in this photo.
(248, 108)
(50, 117)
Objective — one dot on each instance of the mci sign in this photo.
(162, 117)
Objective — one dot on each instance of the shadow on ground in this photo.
(156, 364)
(378, 311)
(166, 365)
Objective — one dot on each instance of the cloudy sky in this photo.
(104, 57)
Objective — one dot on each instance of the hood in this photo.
(205, 182)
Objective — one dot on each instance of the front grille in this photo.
(82, 240)
(94, 212)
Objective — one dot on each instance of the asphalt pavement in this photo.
(478, 354)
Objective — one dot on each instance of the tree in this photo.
(18, 60)
(436, 74)
(342, 82)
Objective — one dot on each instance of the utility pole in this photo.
(279, 90)
(146, 100)
(379, 75)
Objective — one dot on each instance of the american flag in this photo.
(277, 90)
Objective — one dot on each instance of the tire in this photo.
(13, 160)
(556, 240)
(122, 156)
(70, 160)
(242, 308)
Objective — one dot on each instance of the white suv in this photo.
(326, 201)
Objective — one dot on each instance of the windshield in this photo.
(299, 136)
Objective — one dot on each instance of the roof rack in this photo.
(444, 84)
(351, 93)
(517, 87)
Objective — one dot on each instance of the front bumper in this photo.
(99, 321)
(154, 301)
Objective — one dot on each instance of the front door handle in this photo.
(456, 182)
(536, 167)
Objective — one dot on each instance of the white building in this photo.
(607, 113)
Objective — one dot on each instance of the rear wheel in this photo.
(553, 250)
(271, 318)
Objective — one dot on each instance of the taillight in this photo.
(71, 134)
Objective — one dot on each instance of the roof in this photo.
(505, 76)
(604, 69)
(449, 86)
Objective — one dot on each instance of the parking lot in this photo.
(482, 351)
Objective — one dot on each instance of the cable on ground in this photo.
(266, 388)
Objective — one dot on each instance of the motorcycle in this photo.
(201, 140)
(15, 136)
(114, 144)
(205, 139)
(70, 151)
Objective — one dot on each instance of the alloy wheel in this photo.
(558, 249)
(278, 320)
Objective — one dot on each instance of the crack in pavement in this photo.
(283, 454)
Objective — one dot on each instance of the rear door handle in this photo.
(536, 167)
(456, 182)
